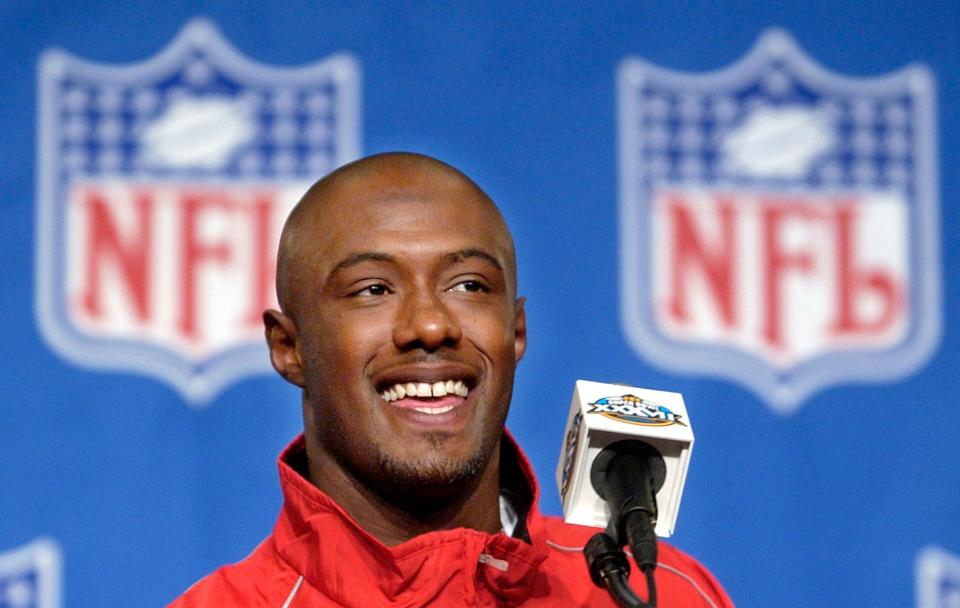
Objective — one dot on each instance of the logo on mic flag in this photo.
(779, 221)
(162, 189)
(635, 410)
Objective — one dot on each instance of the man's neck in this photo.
(398, 517)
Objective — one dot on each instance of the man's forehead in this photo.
(373, 203)
(388, 192)
(357, 209)
(449, 258)
(400, 223)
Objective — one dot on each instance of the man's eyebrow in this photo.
(462, 254)
(359, 258)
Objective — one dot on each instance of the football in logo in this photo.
(162, 190)
(779, 221)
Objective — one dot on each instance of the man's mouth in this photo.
(447, 394)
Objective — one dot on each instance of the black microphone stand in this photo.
(609, 568)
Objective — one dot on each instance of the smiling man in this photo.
(400, 321)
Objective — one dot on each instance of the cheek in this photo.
(344, 342)
(333, 372)
(494, 333)
(496, 345)
(338, 353)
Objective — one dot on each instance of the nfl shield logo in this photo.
(162, 190)
(779, 221)
(938, 579)
(30, 576)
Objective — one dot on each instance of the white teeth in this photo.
(434, 410)
(440, 388)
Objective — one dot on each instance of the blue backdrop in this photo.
(137, 452)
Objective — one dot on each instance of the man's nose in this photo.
(426, 322)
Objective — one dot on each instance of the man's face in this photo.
(409, 330)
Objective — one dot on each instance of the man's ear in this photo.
(281, 334)
(520, 330)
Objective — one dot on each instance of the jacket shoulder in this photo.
(260, 579)
(681, 579)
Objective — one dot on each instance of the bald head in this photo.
(382, 185)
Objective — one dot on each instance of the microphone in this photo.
(627, 474)
(604, 414)
(622, 467)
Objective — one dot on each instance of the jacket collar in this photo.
(341, 560)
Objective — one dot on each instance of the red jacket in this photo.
(317, 556)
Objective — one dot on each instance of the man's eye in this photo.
(471, 286)
(377, 289)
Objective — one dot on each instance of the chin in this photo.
(429, 477)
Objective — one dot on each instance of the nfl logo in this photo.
(938, 579)
(779, 221)
(163, 187)
(30, 576)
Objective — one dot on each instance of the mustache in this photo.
(420, 357)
